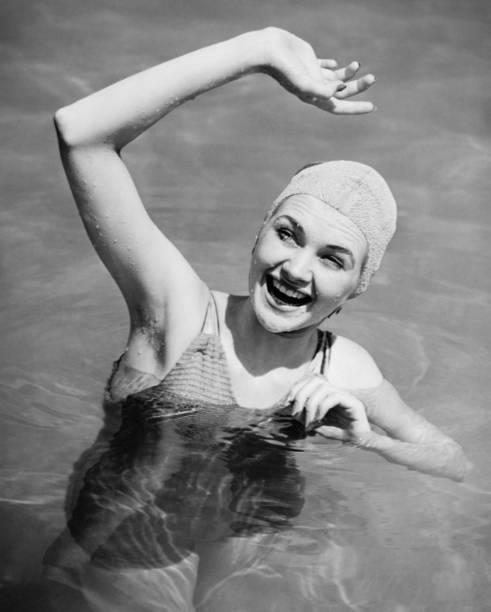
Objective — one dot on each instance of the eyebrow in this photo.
(293, 221)
(340, 249)
(331, 247)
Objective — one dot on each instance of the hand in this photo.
(293, 63)
(313, 398)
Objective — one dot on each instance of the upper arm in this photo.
(354, 369)
(157, 282)
(351, 366)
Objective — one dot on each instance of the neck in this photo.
(260, 350)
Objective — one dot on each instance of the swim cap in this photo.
(357, 191)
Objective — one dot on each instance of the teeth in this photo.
(287, 291)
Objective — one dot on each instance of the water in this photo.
(388, 539)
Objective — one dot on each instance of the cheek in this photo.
(266, 252)
(335, 286)
(266, 255)
(256, 267)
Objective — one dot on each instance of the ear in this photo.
(255, 244)
(357, 291)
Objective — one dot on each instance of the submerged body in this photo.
(185, 476)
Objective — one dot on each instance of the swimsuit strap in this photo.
(327, 340)
(322, 356)
(211, 323)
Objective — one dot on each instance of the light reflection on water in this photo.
(388, 539)
(357, 533)
(247, 499)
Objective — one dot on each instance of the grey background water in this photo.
(206, 174)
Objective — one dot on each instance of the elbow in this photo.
(72, 128)
(66, 128)
(461, 465)
(465, 470)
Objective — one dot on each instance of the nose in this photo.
(298, 268)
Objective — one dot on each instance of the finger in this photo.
(321, 409)
(338, 417)
(328, 63)
(323, 91)
(335, 433)
(347, 72)
(352, 410)
(313, 404)
(355, 87)
(295, 389)
(345, 107)
(304, 393)
(331, 400)
(307, 380)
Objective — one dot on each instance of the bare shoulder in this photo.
(351, 366)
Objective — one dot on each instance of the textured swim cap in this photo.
(357, 191)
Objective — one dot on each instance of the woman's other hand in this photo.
(314, 399)
(294, 64)
(410, 441)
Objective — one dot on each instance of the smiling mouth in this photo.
(285, 294)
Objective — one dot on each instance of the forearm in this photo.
(116, 115)
(444, 458)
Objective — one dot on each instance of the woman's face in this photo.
(307, 262)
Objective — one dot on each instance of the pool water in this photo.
(340, 529)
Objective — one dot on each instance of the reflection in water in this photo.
(176, 483)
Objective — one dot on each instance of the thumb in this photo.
(335, 433)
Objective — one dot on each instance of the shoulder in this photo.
(351, 366)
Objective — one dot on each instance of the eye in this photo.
(285, 234)
(334, 260)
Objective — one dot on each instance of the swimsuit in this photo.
(148, 499)
(161, 486)
(200, 375)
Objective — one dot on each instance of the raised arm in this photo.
(162, 291)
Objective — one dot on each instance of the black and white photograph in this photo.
(245, 306)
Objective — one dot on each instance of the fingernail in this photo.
(341, 87)
(359, 64)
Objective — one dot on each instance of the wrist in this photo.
(370, 440)
(262, 45)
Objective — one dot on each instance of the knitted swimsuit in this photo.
(200, 375)
(151, 493)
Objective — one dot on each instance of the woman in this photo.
(317, 248)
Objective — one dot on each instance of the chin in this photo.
(274, 325)
(277, 321)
